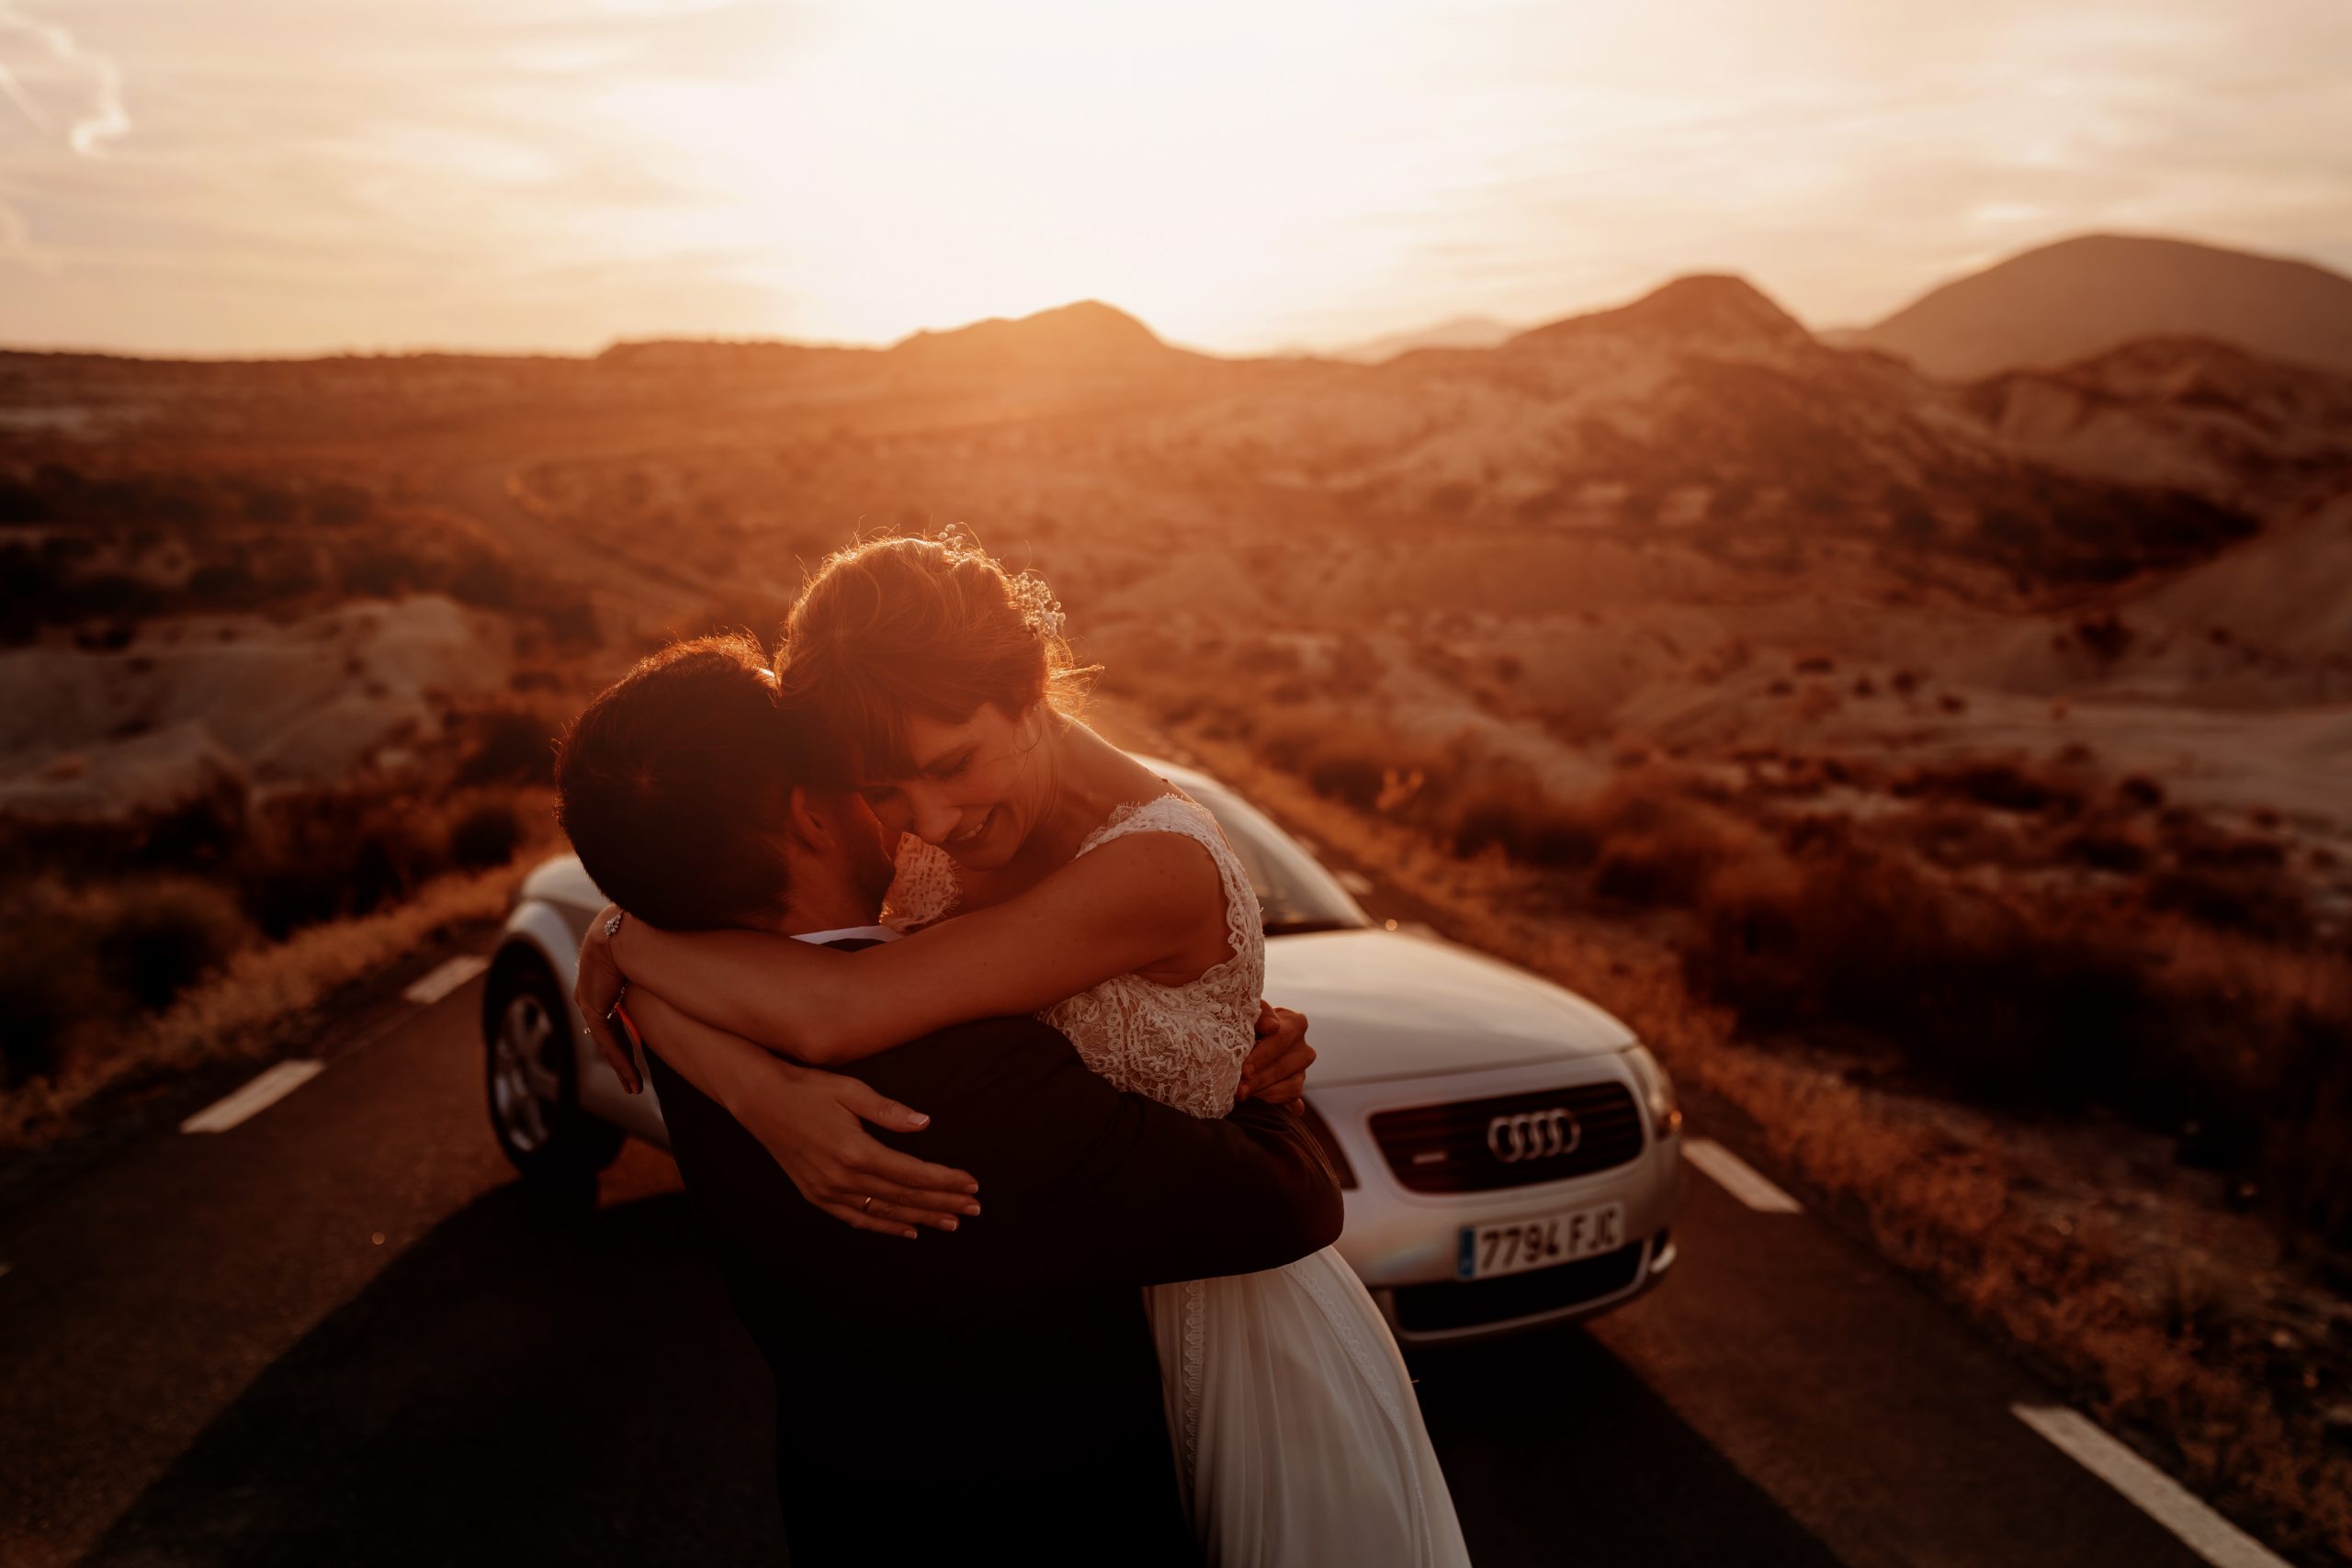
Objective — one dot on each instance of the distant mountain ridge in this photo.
(2082, 297)
(1086, 334)
(1460, 332)
(1705, 415)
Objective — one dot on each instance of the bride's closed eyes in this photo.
(940, 771)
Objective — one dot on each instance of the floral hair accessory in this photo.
(1039, 608)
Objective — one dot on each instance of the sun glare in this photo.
(934, 165)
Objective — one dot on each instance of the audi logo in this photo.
(1533, 1134)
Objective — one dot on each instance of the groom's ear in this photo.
(807, 820)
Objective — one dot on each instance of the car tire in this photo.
(531, 1077)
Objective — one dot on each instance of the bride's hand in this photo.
(1275, 1071)
(595, 990)
(813, 1123)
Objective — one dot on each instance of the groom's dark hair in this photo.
(675, 783)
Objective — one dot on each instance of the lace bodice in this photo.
(1183, 1045)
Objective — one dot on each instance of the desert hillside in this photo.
(2085, 296)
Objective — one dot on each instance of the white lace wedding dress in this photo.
(1298, 1441)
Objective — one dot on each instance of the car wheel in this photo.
(531, 1070)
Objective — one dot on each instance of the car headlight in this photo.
(1657, 1091)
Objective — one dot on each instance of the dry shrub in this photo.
(485, 835)
(329, 854)
(511, 745)
(2003, 786)
(1669, 859)
(1518, 817)
(1964, 985)
(2049, 1004)
(92, 1035)
(2260, 902)
(161, 937)
(82, 961)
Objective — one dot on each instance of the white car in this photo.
(1512, 1155)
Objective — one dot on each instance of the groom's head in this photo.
(687, 791)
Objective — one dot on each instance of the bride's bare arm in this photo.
(1137, 902)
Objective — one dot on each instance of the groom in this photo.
(992, 1394)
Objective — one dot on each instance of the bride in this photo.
(1045, 871)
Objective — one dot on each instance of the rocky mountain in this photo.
(2186, 413)
(2086, 296)
(1704, 416)
(1079, 339)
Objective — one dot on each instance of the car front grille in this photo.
(1469, 1304)
(1512, 1140)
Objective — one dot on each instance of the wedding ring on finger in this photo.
(867, 1207)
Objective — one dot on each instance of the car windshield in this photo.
(1295, 893)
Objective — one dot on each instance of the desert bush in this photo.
(50, 990)
(1356, 780)
(1961, 983)
(2106, 850)
(1524, 822)
(382, 570)
(84, 960)
(485, 835)
(1656, 868)
(155, 939)
(508, 745)
(329, 853)
(342, 504)
(2106, 637)
(2254, 902)
(2004, 787)
(484, 579)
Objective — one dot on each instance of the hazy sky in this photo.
(279, 176)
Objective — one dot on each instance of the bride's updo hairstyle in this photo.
(892, 629)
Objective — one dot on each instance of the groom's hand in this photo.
(1275, 1071)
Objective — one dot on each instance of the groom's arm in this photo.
(1080, 1182)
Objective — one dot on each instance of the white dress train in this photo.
(1298, 1440)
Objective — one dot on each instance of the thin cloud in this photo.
(105, 118)
(556, 173)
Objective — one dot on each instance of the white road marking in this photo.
(2156, 1494)
(255, 1097)
(444, 978)
(1738, 1177)
(1355, 881)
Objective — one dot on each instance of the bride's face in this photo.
(976, 788)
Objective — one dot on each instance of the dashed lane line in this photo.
(2152, 1492)
(1735, 1175)
(256, 1097)
(444, 978)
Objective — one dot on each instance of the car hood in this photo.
(1384, 1005)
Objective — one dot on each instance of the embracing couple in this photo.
(892, 879)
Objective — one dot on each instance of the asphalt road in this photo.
(342, 1332)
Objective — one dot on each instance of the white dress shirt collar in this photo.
(850, 933)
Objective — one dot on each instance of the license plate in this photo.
(1540, 1241)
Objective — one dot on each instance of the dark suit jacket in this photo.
(993, 1395)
